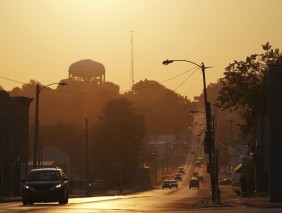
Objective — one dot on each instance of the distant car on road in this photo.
(166, 184)
(194, 183)
(173, 183)
(198, 163)
(195, 174)
(178, 176)
(200, 159)
(181, 170)
(45, 185)
(200, 178)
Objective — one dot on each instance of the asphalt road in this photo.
(156, 200)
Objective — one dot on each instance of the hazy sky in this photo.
(40, 38)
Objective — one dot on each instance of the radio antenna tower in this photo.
(131, 71)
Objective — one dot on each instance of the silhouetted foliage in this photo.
(68, 138)
(244, 85)
(117, 139)
(165, 111)
(62, 112)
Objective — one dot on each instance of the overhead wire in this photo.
(15, 81)
(100, 93)
(176, 88)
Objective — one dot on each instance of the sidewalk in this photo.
(260, 202)
(230, 199)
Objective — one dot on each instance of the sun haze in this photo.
(40, 39)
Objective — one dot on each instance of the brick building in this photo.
(14, 129)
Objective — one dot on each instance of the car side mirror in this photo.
(23, 180)
(65, 178)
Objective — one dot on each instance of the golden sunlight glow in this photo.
(40, 39)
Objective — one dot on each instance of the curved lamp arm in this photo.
(61, 83)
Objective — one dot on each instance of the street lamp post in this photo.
(209, 133)
(36, 146)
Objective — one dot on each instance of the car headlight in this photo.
(27, 187)
(56, 186)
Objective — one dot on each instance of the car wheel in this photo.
(25, 202)
(64, 200)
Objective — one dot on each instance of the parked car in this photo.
(178, 176)
(173, 183)
(225, 181)
(194, 183)
(166, 184)
(45, 185)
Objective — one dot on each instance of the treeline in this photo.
(149, 109)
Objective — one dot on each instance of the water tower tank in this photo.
(87, 70)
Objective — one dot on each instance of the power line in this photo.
(167, 95)
(101, 93)
(15, 81)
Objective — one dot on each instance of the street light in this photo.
(209, 133)
(36, 152)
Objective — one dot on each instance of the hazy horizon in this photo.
(41, 39)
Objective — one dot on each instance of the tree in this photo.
(166, 112)
(244, 86)
(117, 138)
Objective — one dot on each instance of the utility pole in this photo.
(37, 153)
(131, 71)
(87, 158)
(36, 129)
(209, 145)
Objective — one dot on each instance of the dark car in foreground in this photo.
(45, 185)
(194, 183)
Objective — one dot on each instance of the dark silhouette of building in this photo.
(275, 129)
(14, 128)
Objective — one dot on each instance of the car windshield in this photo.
(36, 176)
